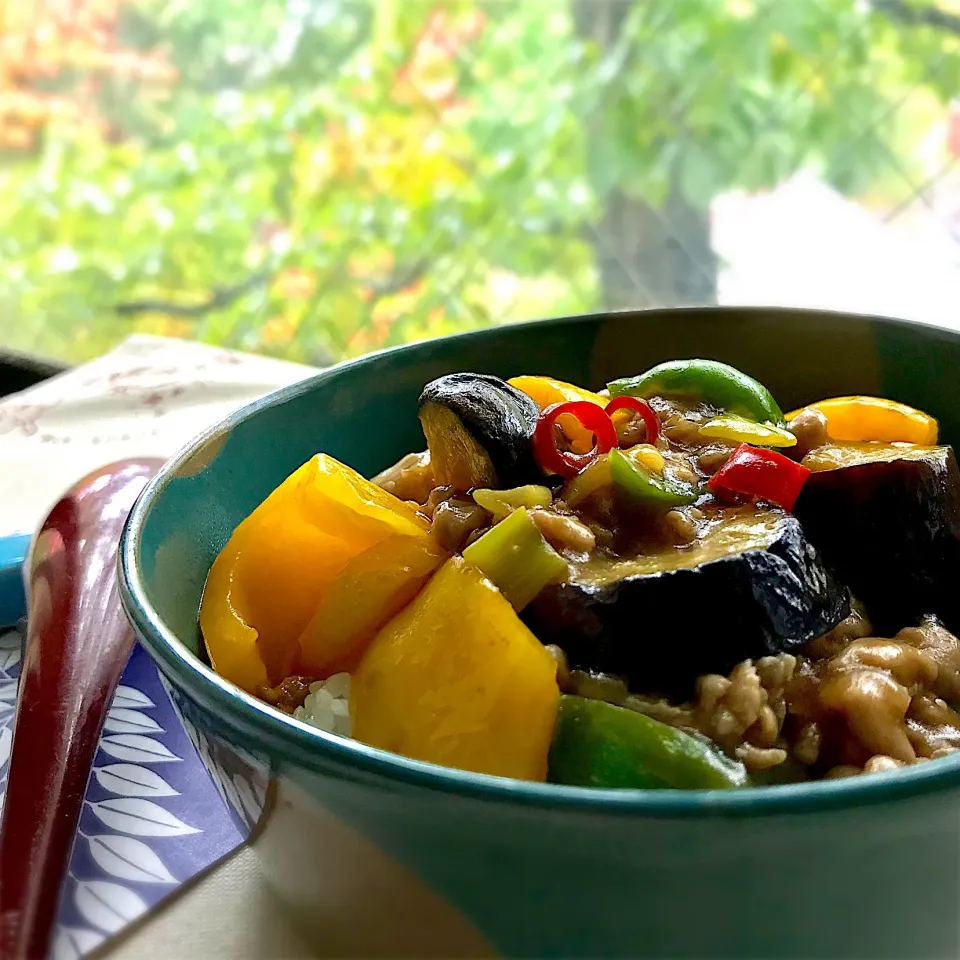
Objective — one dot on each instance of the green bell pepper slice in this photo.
(713, 382)
(599, 745)
(641, 486)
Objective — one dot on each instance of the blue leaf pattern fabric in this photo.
(154, 816)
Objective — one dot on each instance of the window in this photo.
(315, 179)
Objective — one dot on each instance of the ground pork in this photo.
(847, 704)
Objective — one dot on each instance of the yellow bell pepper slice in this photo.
(269, 579)
(739, 430)
(457, 679)
(344, 503)
(546, 391)
(373, 587)
(875, 418)
(231, 643)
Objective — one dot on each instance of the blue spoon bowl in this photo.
(13, 555)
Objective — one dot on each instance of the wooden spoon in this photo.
(78, 642)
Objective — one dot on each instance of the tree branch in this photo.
(918, 16)
(220, 298)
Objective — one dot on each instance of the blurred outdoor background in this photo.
(314, 179)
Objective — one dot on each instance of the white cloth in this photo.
(149, 396)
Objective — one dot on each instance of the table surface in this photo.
(249, 922)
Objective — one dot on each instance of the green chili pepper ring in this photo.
(641, 487)
(713, 382)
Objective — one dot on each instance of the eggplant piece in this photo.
(479, 430)
(751, 586)
(886, 517)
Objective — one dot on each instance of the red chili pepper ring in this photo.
(650, 419)
(564, 462)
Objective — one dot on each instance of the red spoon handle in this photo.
(78, 642)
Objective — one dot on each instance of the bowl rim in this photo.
(293, 741)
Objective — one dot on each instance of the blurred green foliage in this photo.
(325, 177)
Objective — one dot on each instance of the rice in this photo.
(327, 705)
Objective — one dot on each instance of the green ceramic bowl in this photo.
(373, 853)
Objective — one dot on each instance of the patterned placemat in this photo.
(153, 817)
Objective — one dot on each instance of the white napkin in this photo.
(148, 397)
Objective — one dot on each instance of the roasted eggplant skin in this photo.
(891, 531)
(494, 425)
(661, 630)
